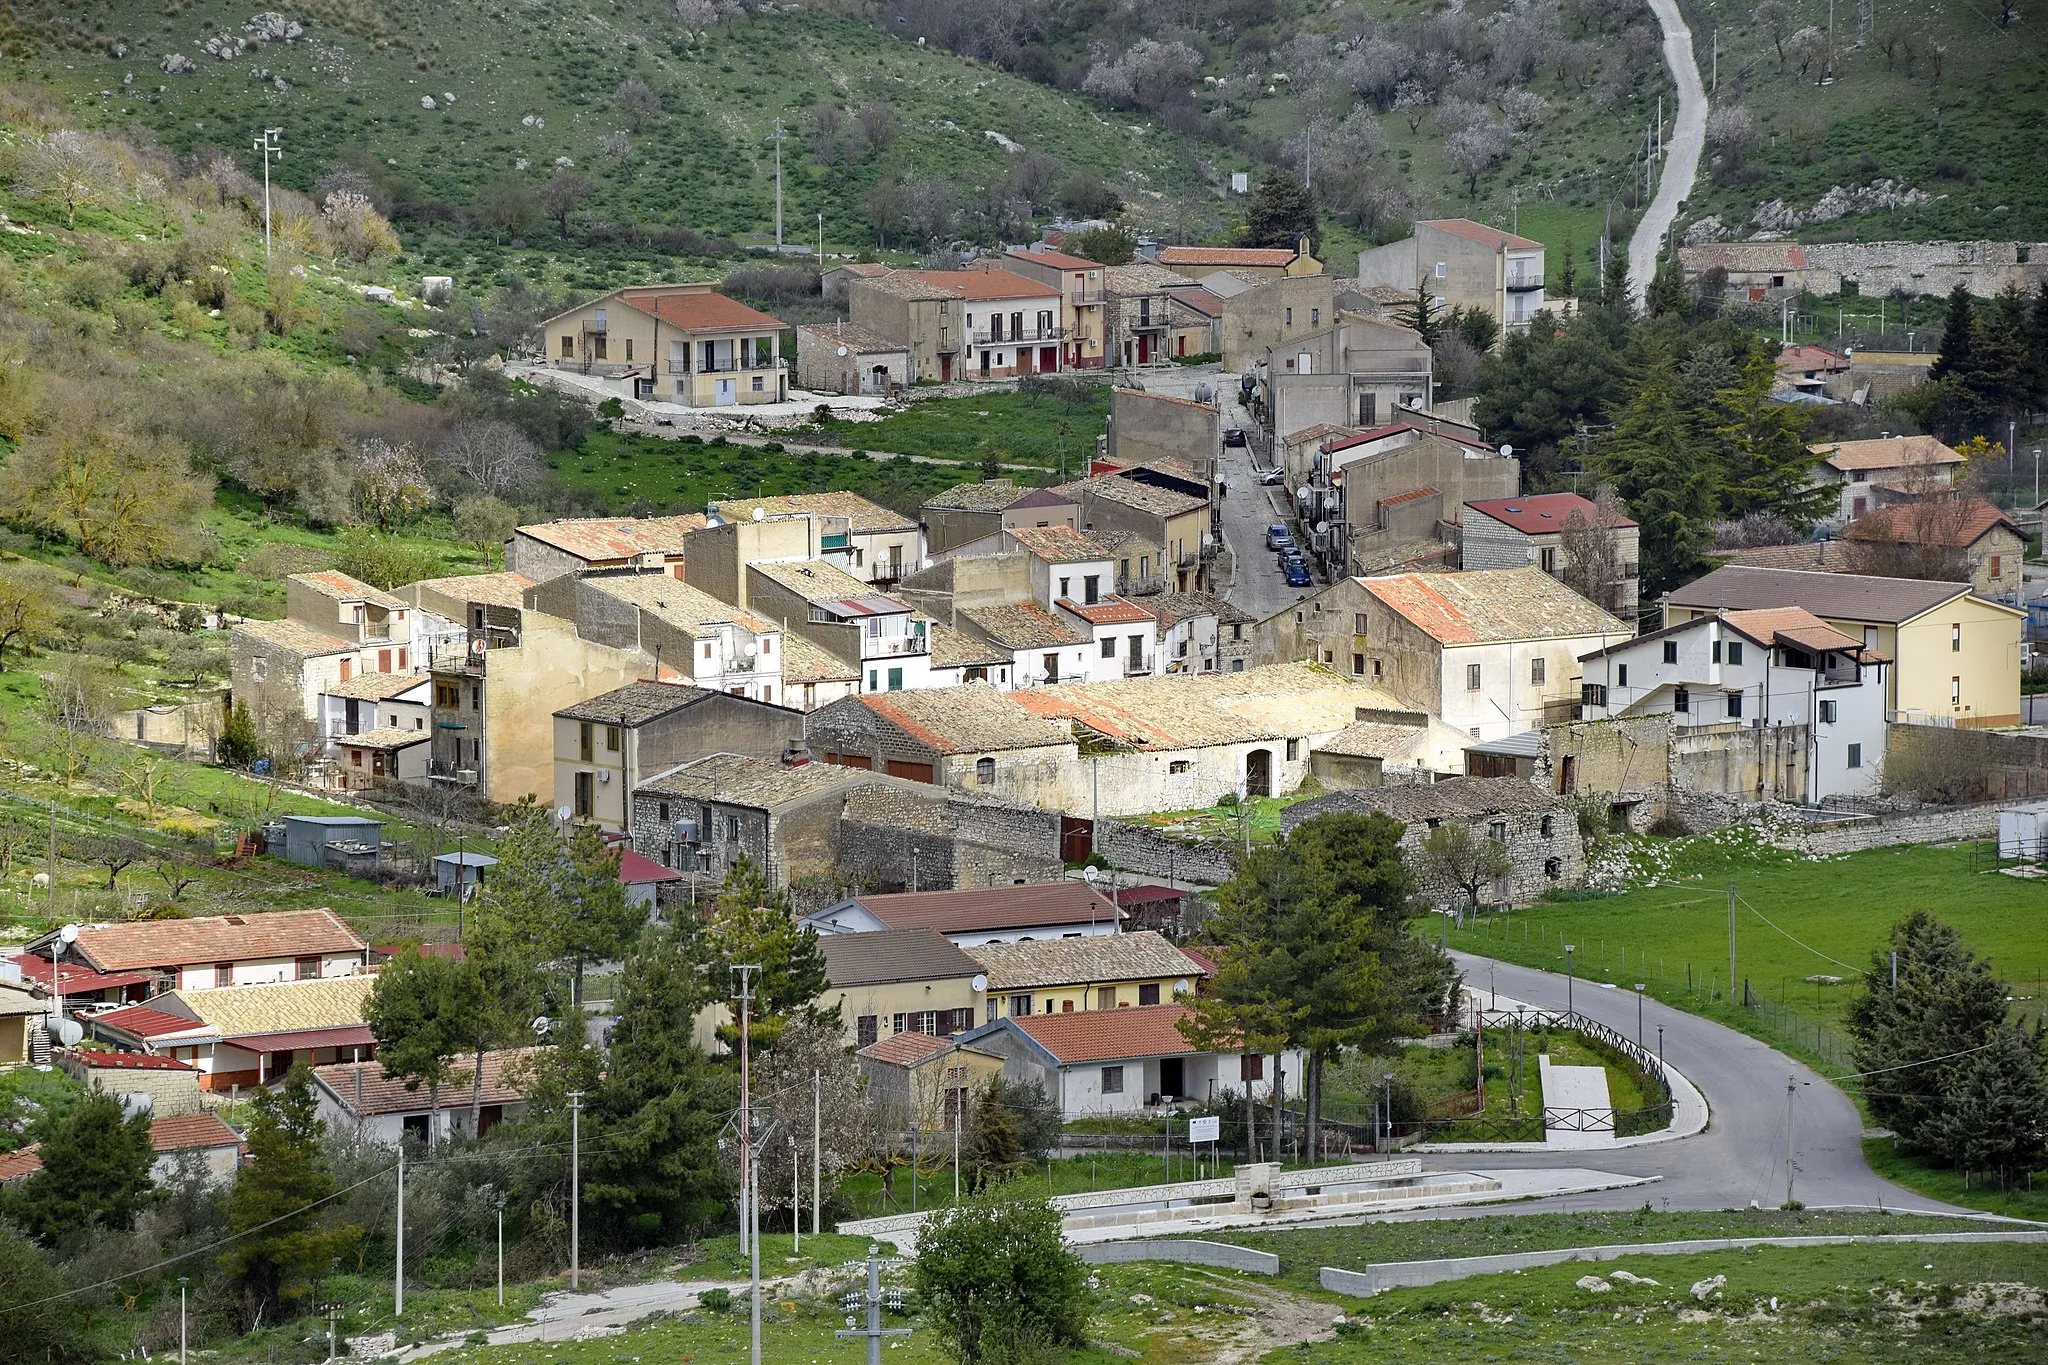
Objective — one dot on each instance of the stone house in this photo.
(1262, 262)
(1260, 316)
(1140, 313)
(1508, 533)
(845, 358)
(673, 343)
(702, 817)
(1956, 536)
(604, 744)
(1200, 632)
(164, 1086)
(553, 549)
(1377, 749)
(1144, 427)
(833, 282)
(1539, 831)
(1194, 322)
(1870, 474)
(972, 737)
(1154, 506)
(335, 628)
(1348, 372)
(1463, 264)
(965, 512)
(926, 320)
(814, 677)
(907, 836)
(1040, 647)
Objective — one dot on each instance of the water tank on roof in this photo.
(1204, 394)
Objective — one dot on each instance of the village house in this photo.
(1091, 972)
(878, 634)
(1538, 831)
(22, 1016)
(1261, 315)
(813, 677)
(1039, 647)
(833, 282)
(246, 1035)
(1194, 322)
(1265, 262)
(389, 753)
(1379, 748)
(604, 744)
(925, 319)
(966, 324)
(959, 657)
(360, 1099)
(1118, 1062)
(187, 1141)
(973, 737)
(846, 358)
(703, 817)
(371, 701)
(1807, 369)
(1508, 533)
(1394, 496)
(922, 1082)
(880, 546)
(1870, 474)
(1122, 638)
(976, 915)
(966, 511)
(899, 835)
(466, 614)
(335, 628)
(673, 343)
(1139, 308)
(1083, 302)
(1757, 272)
(78, 983)
(899, 981)
(164, 1086)
(1349, 371)
(1147, 427)
(1463, 264)
(1752, 670)
(1061, 561)
(212, 951)
(1200, 632)
(551, 549)
(1947, 537)
(1956, 656)
(1153, 506)
(691, 636)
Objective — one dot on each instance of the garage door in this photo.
(914, 772)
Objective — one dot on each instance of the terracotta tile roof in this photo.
(385, 1095)
(990, 495)
(903, 1049)
(814, 580)
(191, 1132)
(1374, 739)
(19, 1165)
(1957, 525)
(1543, 513)
(213, 938)
(1896, 452)
(600, 539)
(891, 955)
(1142, 497)
(309, 1039)
(1093, 959)
(388, 738)
(1478, 232)
(689, 609)
(1222, 256)
(1803, 357)
(1184, 711)
(1061, 544)
(1035, 905)
(95, 1060)
(1795, 625)
(706, 312)
(973, 718)
(1110, 1035)
(635, 870)
(1197, 299)
(806, 662)
(1412, 495)
(857, 340)
(861, 268)
(1110, 611)
(490, 589)
(1457, 798)
(74, 976)
(342, 588)
(334, 1002)
(636, 703)
(1171, 608)
(1492, 606)
(1025, 625)
(293, 638)
(141, 1021)
(377, 686)
(738, 780)
(1058, 260)
(1832, 596)
(862, 515)
(1826, 556)
(986, 286)
(952, 648)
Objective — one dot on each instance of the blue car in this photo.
(1276, 536)
(1297, 574)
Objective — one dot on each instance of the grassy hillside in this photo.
(533, 84)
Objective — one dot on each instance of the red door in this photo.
(945, 369)
(1144, 350)
(1048, 359)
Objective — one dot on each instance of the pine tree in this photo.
(1667, 295)
(1420, 316)
(597, 923)
(1281, 213)
(238, 746)
(1994, 1108)
(2004, 380)
(1568, 271)
(1614, 284)
(2037, 343)
(1651, 458)
(993, 1152)
(1765, 464)
(751, 923)
(96, 1173)
(284, 1245)
(417, 1010)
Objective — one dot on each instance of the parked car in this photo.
(1233, 436)
(1269, 477)
(1289, 554)
(1276, 536)
(1297, 574)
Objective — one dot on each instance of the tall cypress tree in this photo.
(1281, 212)
(285, 1244)
(1766, 465)
(1651, 458)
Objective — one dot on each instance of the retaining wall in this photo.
(1917, 827)
(1220, 1254)
(1136, 848)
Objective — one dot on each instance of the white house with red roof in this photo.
(1508, 533)
(212, 951)
(674, 343)
(1126, 1061)
(1011, 325)
(1083, 298)
(1463, 264)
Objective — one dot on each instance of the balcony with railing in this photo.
(467, 654)
(1086, 296)
(1141, 667)
(894, 646)
(992, 337)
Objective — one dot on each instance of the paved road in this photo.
(1740, 1158)
(1682, 152)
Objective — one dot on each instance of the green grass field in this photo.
(624, 473)
(1013, 428)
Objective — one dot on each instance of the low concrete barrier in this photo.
(1220, 1254)
(1374, 1279)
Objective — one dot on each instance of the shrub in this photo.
(715, 1300)
(1000, 1284)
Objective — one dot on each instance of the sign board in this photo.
(1205, 1130)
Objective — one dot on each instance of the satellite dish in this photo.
(980, 982)
(543, 1025)
(69, 933)
(562, 812)
(1090, 875)
(1507, 452)
(841, 352)
(1182, 986)
(760, 514)
(752, 649)
(68, 1032)
(1322, 528)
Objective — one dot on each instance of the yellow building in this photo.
(1083, 300)
(884, 983)
(923, 1082)
(1065, 975)
(20, 1015)
(673, 343)
(1957, 655)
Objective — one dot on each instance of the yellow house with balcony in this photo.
(673, 343)
(1083, 300)
(1096, 972)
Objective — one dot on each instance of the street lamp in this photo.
(1388, 1079)
(1660, 1047)
(183, 1280)
(1569, 949)
(1639, 1013)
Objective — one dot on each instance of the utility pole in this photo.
(1828, 72)
(778, 190)
(575, 1188)
(956, 1098)
(750, 1227)
(398, 1306)
(1714, 81)
(268, 151)
(796, 1198)
(873, 1301)
(817, 1149)
(1790, 1086)
(1569, 949)
(501, 1251)
(1731, 940)
(183, 1281)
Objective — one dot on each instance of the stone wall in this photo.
(1136, 848)
(1988, 764)
(1984, 268)
(1931, 825)
(1190, 1252)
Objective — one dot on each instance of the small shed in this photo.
(465, 870)
(349, 843)
(2023, 833)
(643, 879)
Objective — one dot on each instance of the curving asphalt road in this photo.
(1740, 1158)
(1682, 153)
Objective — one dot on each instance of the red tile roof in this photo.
(140, 1021)
(906, 1049)
(707, 312)
(1956, 525)
(1412, 495)
(635, 870)
(1035, 905)
(1225, 256)
(1195, 297)
(1111, 1035)
(305, 1040)
(986, 286)
(215, 938)
(123, 1061)
(1478, 232)
(382, 1094)
(19, 1165)
(76, 978)
(187, 1132)
(1542, 513)
(1110, 611)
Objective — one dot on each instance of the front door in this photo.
(1048, 359)
(1172, 1078)
(1144, 350)
(945, 369)
(726, 393)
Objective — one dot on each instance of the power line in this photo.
(1809, 947)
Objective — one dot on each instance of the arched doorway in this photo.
(1258, 773)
